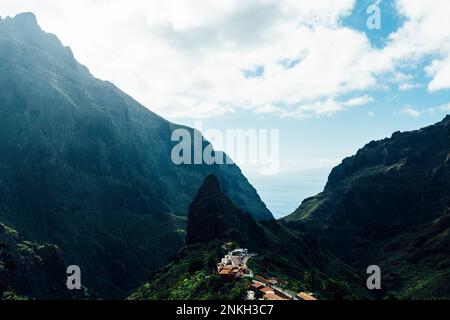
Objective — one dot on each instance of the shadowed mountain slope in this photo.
(389, 205)
(86, 167)
(213, 216)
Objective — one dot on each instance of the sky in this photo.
(313, 70)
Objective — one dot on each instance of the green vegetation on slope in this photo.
(191, 276)
(31, 271)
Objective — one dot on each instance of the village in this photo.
(234, 265)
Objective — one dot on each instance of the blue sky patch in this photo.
(256, 72)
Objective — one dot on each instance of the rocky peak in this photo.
(23, 23)
(23, 33)
(25, 19)
(210, 186)
(213, 216)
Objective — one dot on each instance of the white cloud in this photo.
(440, 71)
(358, 101)
(267, 109)
(417, 112)
(410, 112)
(317, 108)
(426, 32)
(445, 108)
(408, 86)
(326, 107)
(186, 58)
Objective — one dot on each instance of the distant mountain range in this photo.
(86, 167)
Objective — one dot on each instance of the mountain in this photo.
(389, 205)
(214, 209)
(86, 167)
(215, 222)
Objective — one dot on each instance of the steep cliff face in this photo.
(389, 205)
(86, 167)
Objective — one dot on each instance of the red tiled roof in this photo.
(266, 290)
(224, 271)
(305, 296)
(257, 285)
(272, 296)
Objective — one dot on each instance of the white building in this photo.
(250, 295)
(239, 252)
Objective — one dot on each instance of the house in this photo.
(231, 272)
(306, 296)
(257, 285)
(233, 264)
(272, 296)
(226, 272)
(266, 290)
(263, 280)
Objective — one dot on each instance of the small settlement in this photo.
(234, 265)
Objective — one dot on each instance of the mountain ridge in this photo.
(389, 205)
(86, 167)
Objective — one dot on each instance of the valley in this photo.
(87, 178)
